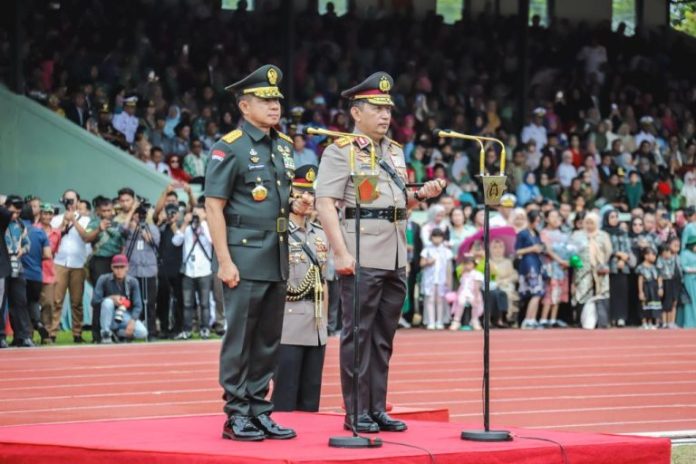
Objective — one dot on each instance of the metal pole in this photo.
(356, 321)
(486, 320)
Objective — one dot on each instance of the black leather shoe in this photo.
(78, 339)
(3, 343)
(271, 429)
(43, 332)
(365, 424)
(241, 428)
(25, 343)
(386, 423)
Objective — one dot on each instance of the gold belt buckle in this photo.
(396, 215)
(281, 225)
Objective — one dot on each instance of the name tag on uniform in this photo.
(256, 166)
(398, 161)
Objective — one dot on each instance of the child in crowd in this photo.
(670, 271)
(436, 262)
(506, 278)
(469, 302)
(650, 289)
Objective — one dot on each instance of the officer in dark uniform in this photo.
(247, 190)
(297, 383)
(382, 248)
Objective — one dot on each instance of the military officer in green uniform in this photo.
(382, 248)
(297, 383)
(247, 189)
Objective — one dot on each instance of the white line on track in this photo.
(409, 404)
(573, 410)
(603, 424)
(538, 363)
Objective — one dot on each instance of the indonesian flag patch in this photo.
(218, 155)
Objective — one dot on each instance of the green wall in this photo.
(43, 154)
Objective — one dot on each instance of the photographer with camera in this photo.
(107, 240)
(18, 244)
(197, 270)
(5, 269)
(70, 258)
(142, 242)
(118, 296)
(169, 294)
(170, 197)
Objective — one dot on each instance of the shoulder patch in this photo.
(342, 142)
(393, 142)
(230, 137)
(285, 137)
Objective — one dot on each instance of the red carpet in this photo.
(197, 440)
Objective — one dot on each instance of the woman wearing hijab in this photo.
(172, 121)
(620, 265)
(591, 281)
(528, 191)
(688, 191)
(688, 262)
(436, 219)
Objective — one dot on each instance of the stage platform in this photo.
(197, 439)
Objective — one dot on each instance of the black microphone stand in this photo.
(355, 441)
(487, 434)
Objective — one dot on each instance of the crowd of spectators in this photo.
(601, 171)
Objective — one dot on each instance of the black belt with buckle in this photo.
(279, 224)
(390, 214)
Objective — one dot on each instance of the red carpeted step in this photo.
(197, 439)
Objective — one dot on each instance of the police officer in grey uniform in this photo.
(382, 248)
(297, 383)
(247, 189)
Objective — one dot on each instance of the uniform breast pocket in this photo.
(367, 226)
(257, 177)
(251, 238)
(296, 310)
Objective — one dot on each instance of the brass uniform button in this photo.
(244, 241)
(278, 182)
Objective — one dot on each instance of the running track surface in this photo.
(618, 381)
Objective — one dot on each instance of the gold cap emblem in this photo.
(272, 76)
(311, 175)
(384, 84)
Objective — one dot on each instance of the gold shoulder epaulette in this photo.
(232, 136)
(393, 142)
(285, 137)
(342, 142)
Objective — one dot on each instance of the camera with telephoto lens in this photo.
(119, 313)
(67, 202)
(195, 221)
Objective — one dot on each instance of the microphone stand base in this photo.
(354, 442)
(486, 435)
